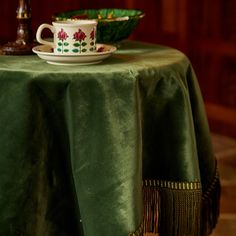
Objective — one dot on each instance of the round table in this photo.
(118, 148)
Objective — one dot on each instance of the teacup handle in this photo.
(39, 32)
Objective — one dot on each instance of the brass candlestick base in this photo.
(24, 43)
(13, 48)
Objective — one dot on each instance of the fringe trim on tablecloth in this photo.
(210, 206)
(172, 208)
(138, 232)
(179, 208)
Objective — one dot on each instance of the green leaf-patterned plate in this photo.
(114, 25)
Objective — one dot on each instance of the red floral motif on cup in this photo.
(79, 35)
(62, 35)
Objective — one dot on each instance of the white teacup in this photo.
(70, 37)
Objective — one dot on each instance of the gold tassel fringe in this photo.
(172, 208)
(179, 208)
(138, 232)
(211, 206)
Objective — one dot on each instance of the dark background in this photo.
(205, 30)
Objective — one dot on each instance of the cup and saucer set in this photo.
(74, 43)
(76, 33)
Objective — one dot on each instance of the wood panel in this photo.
(212, 50)
(222, 119)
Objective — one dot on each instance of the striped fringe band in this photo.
(210, 206)
(172, 208)
(138, 232)
(180, 208)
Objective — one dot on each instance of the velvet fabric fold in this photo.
(78, 143)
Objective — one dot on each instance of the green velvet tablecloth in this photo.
(114, 149)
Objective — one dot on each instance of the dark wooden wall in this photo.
(203, 29)
(212, 49)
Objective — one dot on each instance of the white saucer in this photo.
(103, 51)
